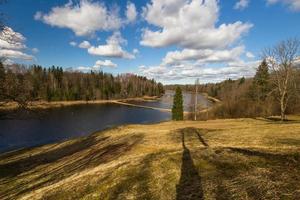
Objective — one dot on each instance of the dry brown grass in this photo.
(217, 159)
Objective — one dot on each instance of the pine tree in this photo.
(261, 82)
(177, 110)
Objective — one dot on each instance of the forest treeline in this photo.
(21, 84)
(274, 90)
(248, 97)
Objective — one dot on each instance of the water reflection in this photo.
(72, 121)
(166, 101)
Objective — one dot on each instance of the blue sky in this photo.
(174, 41)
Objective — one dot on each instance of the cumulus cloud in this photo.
(12, 45)
(98, 65)
(73, 44)
(135, 51)
(112, 48)
(35, 50)
(9, 39)
(292, 4)
(189, 24)
(83, 19)
(207, 51)
(131, 12)
(84, 45)
(10, 53)
(241, 4)
(105, 63)
(190, 71)
(250, 55)
(203, 56)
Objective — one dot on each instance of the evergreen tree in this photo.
(55, 84)
(260, 87)
(177, 110)
(242, 80)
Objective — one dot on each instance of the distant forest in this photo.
(250, 97)
(20, 84)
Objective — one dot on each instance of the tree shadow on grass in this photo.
(189, 186)
(276, 120)
(14, 168)
(265, 155)
(245, 171)
(89, 156)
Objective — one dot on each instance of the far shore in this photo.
(54, 104)
(10, 106)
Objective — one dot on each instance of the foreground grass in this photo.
(218, 159)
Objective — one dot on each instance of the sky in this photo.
(172, 41)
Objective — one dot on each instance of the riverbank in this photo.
(210, 98)
(228, 159)
(56, 104)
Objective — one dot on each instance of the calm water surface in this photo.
(57, 124)
(167, 101)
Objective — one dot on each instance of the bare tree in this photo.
(7, 94)
(196, 99)
(281, 60)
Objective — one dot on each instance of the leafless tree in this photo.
(17, 95)
(281, 60)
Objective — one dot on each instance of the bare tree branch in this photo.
(281, 60)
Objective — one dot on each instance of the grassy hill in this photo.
(217, 159)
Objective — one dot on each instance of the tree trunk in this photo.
(282, 109)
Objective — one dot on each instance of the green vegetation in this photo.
(249, 97)
(53, 84)
(274, 90)
(261, 83)
(177, 109)
(216, 159)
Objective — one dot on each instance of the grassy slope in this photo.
(218, 159)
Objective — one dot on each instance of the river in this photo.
(58, 124)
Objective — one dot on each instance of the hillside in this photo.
(217, 159)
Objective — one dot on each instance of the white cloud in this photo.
(203, 56)
(35, 50)
(84, 18)
(81, 68)
(190, 71)
(72, 43)
(136, 51)
(84, 45)
(38, 15)
(208, 51)
(112, 48)
(292, 4)
(105, 63)
(12, 45)
(10, 53)
(241, 4)
(189, 24)
(250, 55)
(131, 12)
(98, 65)
(9, 39)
